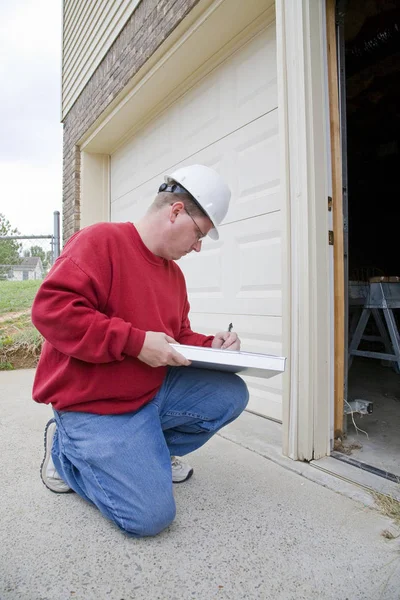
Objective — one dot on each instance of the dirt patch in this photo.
(389, 506)
(20, 342)
(346, 447)
(11, 316)
(20, 355)
(22, 362)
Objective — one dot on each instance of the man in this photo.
(125, 402)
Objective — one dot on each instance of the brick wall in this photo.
(150, 24)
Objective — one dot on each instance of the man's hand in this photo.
(157, 352)
(226, 340)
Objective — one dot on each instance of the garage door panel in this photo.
(248, 160)
(156, 143)
(247, 257)
(229, 122)
(201, 113)
(229, 98)
(255, 76)
(142, 156)
(207, 279)
(133, 205)
(256, 185)
(257, 334)
(265, 401)
(258, 273)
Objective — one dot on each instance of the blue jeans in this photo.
(121, 463)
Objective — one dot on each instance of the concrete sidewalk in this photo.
(246, 528)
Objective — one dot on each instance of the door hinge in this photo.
(329, 203)
(330, 237)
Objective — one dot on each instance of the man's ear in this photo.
(174, 210)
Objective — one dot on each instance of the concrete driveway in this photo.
(246, 528)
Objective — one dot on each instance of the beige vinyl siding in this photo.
(89, 29)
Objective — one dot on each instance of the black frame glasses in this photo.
(202, 235)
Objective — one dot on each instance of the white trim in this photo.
(304, 184)
(95, 188)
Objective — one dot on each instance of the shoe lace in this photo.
(175, 462)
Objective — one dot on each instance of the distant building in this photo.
(30, 268)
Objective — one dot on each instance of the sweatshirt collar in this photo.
(146, 253)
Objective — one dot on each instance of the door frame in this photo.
(340, 350)
(305, 182)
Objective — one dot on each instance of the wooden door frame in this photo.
(337, 213)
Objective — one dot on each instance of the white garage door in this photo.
(227, 121)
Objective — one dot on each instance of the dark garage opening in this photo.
(371, 40)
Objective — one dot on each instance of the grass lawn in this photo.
(20, 342)
(17, 295)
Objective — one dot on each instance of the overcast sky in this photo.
(30, 129)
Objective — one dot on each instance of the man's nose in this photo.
(197, 246)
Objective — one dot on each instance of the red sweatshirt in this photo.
(93, 309)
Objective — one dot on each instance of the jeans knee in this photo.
(149, 523)
(153, 523)
(233, 397)
(240, 395)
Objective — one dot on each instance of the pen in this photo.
(230, 327)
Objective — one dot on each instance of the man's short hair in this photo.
(167, 198)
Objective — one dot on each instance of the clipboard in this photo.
(233, 361)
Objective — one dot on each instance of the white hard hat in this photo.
(209, 191)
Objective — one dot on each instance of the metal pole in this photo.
(56, 250)
(52, 250)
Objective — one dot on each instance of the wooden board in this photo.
(337, 212)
